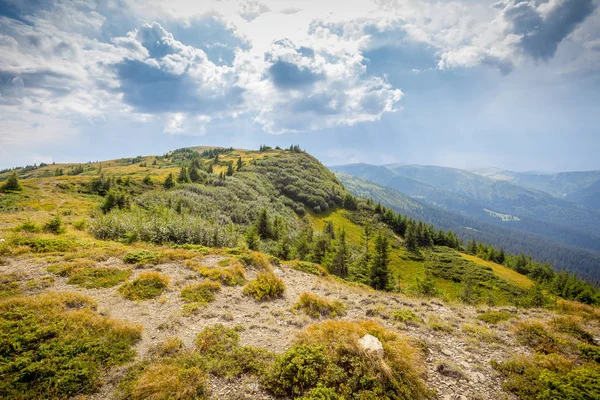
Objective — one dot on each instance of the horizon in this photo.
(462, 84)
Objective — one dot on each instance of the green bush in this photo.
(56, 346)
(316, 306)
(46, 245)
(55, 225)
(589, 351)
(494, 317)
(198, 295)
(328, 363)
(572, 326)
(405, 315)
(308, 267)
(12, 184)
(9, 285)
(142, 257)
(229, 276)
(28, 226)
(147, 286)
(100, 277)
(266, 286)
(535, 335)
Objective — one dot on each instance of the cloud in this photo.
(311, 88)
(250, 10)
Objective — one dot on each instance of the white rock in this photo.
(371, 344)
(278, 272)
(1, 240)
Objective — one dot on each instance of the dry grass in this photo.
(316, 306)
(146, 286)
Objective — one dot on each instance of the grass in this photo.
(9, 285)
(56, 346)
(502, 272)
(405, 315)
(572, 326)
(266, 286)
(100, 277)
(316, 306)
(436, 324)
(481, 333)
(146, 286)
(308, 267)
(537, 336)
(328, 359)
(169, 381)
(229, 276)
(494, 317)
(142, 257)
(198, 295)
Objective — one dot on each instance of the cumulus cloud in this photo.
(310, 88)
(250, 10)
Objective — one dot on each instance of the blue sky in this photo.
(465, 83)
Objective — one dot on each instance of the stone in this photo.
(278, 272)
(371, 344)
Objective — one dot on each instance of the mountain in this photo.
(215, 273)
(586, 263)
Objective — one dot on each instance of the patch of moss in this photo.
(142, 257)
(494, 317)
(100, 277)
(405, 315)
(198, 295)
(9, 285)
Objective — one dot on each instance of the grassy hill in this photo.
(116, 284)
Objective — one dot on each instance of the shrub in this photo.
(101, 277)
(12, 184)
(493, 317)
(168, 381)
(229, 276)
(28, 226)
(80, 225)
(265, 286)
(56, 346)
(481, 333)
(308, 267)
(55, 225)
(405, 315)
(535, 335)
(316, 306)
(438, 325)
(198, 295)
(589, 352)
(46, 245)
(142, 257)
(147, 286)
(9, 285)
(327, 360)
(549, 377)
(571, 326)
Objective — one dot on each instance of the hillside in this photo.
(585, 263)
(229, 274)
(514, 210)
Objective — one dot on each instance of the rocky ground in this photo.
(457, 363)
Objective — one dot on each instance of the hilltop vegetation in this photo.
(252, 273)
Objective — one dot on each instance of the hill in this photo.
(224, 273)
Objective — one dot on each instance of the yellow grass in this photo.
(503, 272)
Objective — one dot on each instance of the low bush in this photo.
(142, 257)
(535, 335)
(481, 333)
(266, 286)
(405, 315)
(308, 267)
(198, 295)
(169, 381)
(549, 377)
(46, 245)
(494, 317)
(572, 326)
(65, 269)
(100, 277)
(55, 225)
(56, 346)
(9, 285)
(316, 306)
(328, 361)
(228, 276)
(146, 286)
(28, 226)
(589, 351)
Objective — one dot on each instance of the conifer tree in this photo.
(411, 238)
(195, 174)
(263, 228)
(252, 238)
(240, 164)
(184, 176)
(230, 168)
(329, 230)
(210, 169)
(169, 182)
(380, 263)
(339, 262)
(12, 184)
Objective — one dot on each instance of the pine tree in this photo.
(341, 257)
(210, 169)
(366, 236)
(230, 168)
(195, 174)
(411, 238)
(329, 230)
(12, 184)
(240, 163)
(183, 177)
(252, 238)
(263, 227)
(380, 264)
(169, 182)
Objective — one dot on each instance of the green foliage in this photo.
(338, 259)
(9, 285)
(12, 184)
(169, 182)
(266, 286)
(142, 257)
(380, 274)
(550, 377)
(536, 336)
(28, 226)
(229, 276)
(198, 295)
(55, 225)
(589, 351)
(147, 286)
(328, 363)
(494, 317)
(572, 326)
(316, 306)
(424, 286)
(252, 238)
(115, 199)
(308, 267)
(405, 315)
(56, 346)
(45, 245)
(98, 277)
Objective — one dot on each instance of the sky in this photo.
(466, 83)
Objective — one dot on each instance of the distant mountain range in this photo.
(556, 217)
